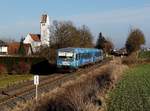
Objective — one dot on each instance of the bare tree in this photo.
(65, 34)
(108, 46)
(134, 41)
(86, 38)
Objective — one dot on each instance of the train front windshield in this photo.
(65, 55)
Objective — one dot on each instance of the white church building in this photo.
(37, 40)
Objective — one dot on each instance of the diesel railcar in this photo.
(73, 58)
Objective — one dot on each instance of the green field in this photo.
(8, 80)
(132, 93)
(144, 54)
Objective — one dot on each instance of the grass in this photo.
(80, 94)
(132, 93)
(144, 54)
(8, 80)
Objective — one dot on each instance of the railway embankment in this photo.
(85, 93)
(25, 92)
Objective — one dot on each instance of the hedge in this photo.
(10, 61)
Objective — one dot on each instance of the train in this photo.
(74, 58)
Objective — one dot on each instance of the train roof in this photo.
(68, 49)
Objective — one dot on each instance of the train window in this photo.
(85, 55)
(65, 55)
(62, 57)
(97, 54)
(90, 55)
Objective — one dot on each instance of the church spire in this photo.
(45, 29)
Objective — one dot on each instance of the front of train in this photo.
(66, 59)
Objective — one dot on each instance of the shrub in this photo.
(10, 61)
(21, 68)
(3, 69)
(130, 60)
(144, 55)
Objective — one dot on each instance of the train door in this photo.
(76, 60)
(93, 56)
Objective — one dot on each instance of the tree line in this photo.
(66, 34)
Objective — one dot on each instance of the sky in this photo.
(114, 18)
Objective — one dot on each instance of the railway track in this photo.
(27, 91)
(11, 95)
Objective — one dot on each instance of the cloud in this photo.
(115, 16)
(115, 23)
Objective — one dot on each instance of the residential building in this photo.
(14, 47)
(34, 40)
(3, 48)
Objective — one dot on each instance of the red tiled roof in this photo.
(36, 37)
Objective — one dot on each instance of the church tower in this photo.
(45, 29)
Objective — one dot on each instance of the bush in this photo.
(130, 60)
(3, 69)
(144, 55)
(10, 61)
(21, 68)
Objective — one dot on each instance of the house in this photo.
(37, 40)
(145, 49)
(14, 47)
(3, 48)
(34, 40)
